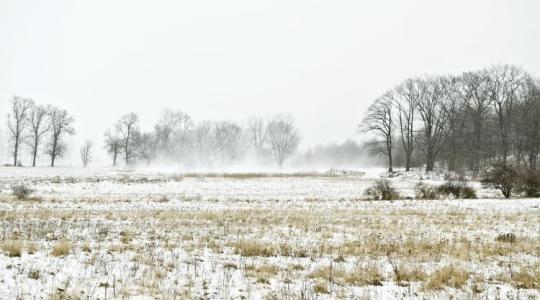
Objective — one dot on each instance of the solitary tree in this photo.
(61, 125)
(18, 122)
(113, 144)
(283, 138)
(86, 154)
(128, 126)
(40, 125)
(379, 122)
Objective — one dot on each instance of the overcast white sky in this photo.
(321, 61)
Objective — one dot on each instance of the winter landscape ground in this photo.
(109, 234)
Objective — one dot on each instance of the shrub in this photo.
(425, 191)
(13, 248)
(529, 183)
(62, 248)
(502, 177)
(506, 238)
(457, 188)
(21, 191)
(451, 276)
(381, 190)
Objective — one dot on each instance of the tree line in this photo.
(462, 122)
(176, 137)
(42, 128)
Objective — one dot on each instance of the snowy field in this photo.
(109, 234)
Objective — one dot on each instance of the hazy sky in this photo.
(321, 61)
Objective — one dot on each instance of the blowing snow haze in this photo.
(321, 62)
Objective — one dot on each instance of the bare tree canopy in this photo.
(86, 153)
(18, 123)
(379, 121)
(283, 138)
(61, 125)
(128, 127)
(113, 144)
(39, 124)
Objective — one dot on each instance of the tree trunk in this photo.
(430, 160)
(16, 151)
(408, 161)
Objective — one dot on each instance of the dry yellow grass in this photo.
(62, 248)
(448, 276)
(13, 248)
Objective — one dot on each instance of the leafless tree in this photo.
(40, 125)
(407, 95)
(113, 144)
(148, 146)
(227, 136)
(433, 115)
(283, 138)
(18, 123)
(86, 153)
(203, 142)
(61, 125)
(128, 127)
(453, 108)
(379, 121)
(504, 82)
(257, 134)
(172, 131)
(475, 97)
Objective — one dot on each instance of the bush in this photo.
(382, 190)
(506, 238)
(502, 177)
(425, 191)
(457, 188)
(529, 183)
(21, 191)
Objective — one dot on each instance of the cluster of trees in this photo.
(178, 138)
(463, 122)
(41, 128)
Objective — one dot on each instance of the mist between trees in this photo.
(176, 139)
(462, 122)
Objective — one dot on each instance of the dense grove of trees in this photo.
(462, 123)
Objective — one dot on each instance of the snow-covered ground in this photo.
(146, 235)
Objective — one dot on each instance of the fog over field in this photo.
(321, 62)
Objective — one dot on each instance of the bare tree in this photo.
(407, 95)
(86, 153)
(148, 146)
(172, 131)
(475, 97)
(61, 124)
(18, 122)
(433, 115)
(283, 138)
(113, 144)
(128, 126)
(257, 134)
(227, 136)
(40, 125)
(379, 121)
(504, 82)
(203, 142)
